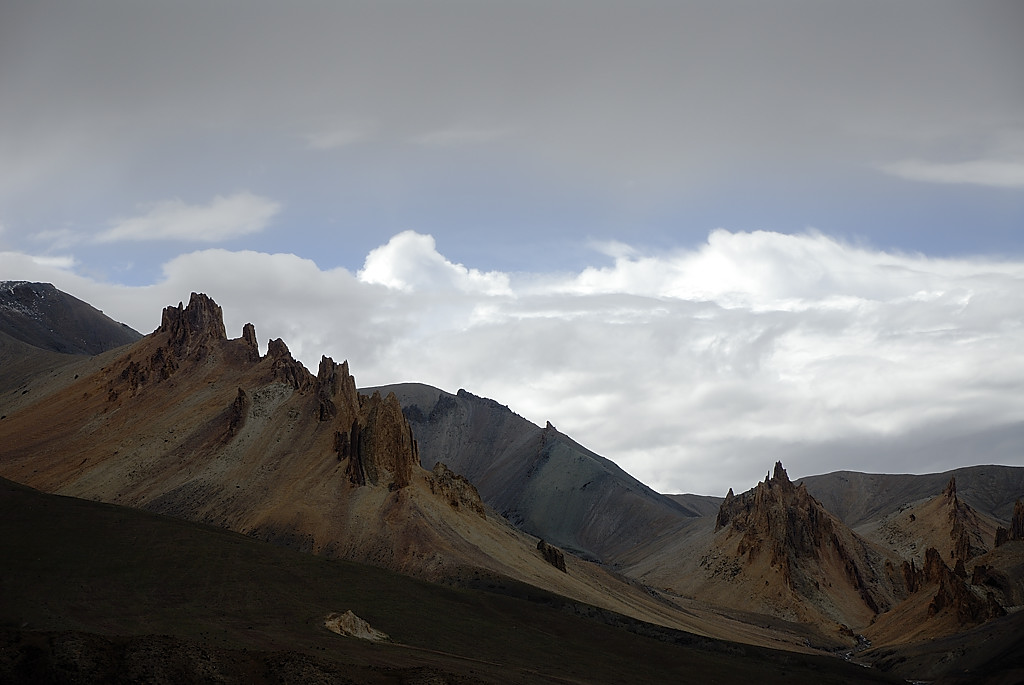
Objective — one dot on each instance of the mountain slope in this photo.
(775, 550)
(43, 316)
(859, 497)
(91, 592)
(538, 478)
(944, 522)
(188, 423)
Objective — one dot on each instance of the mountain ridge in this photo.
(540, 479)
(188, 422)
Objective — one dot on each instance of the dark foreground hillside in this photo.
(92, 592)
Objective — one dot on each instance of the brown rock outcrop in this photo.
(552, 555)
(1016, 529)
(336, 392)
(963, 520)
(953, 592)
(191, 328)
(191, 333)
(285, 368)
(326, 389)
(351, 625)
(249, 338)
(386, 451)
(455, 489)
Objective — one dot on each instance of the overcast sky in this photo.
(696, 237)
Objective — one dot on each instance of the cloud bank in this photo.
(223, 218)
(694, 369)
(985, 172)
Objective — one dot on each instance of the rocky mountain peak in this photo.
(777, 513)
(780, 476)
(285, 368)
(784, 522)
(964, 526)
(191, 328)
(950, 490)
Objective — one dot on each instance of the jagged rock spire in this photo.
(950, 489)
(386, 452)
(1017, 524)
(1016, 530)
(191, 327)
(249, 338)
(285, 367)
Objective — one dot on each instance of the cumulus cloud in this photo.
(693, 369)
(985, 172)
(223, 218)
(410, 261)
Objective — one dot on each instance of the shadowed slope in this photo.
(538, 478)
(40, 315)
(91, 592)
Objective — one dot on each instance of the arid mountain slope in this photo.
(857, 498)
(944, 522)
(43, 316)
(188, 423)
(775, 550)
(538, 478)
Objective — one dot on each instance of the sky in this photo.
(697, 237)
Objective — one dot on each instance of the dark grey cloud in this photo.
(638, 93)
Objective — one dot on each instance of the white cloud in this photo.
(222, 218)
(410, 261)
(693, 369)
(65, 262)
(986, 172)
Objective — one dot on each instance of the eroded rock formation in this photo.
(351, 625)
(552, 555)
(963, 526)
(249, 338)
(784, 522)
(191, 328)
(953, 592)
(386, 451)
(455, 489)
(285, 368)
